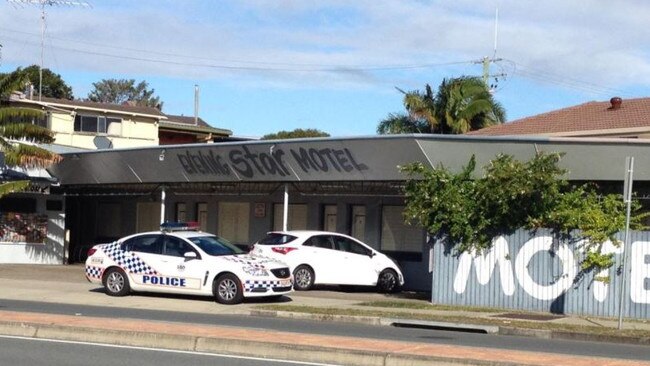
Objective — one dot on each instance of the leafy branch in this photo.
(468, 212)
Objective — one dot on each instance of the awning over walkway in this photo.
(364, 159)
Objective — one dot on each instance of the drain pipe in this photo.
(286, 207)
(162, 205)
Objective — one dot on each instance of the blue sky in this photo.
(265, 66)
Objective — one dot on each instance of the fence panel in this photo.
(535, 271)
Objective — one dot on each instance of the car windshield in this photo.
(276, 239)
(214, 245)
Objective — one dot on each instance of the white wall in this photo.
(133, 132)
(52, 251)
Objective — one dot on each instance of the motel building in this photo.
(240, 191)
(147, 167)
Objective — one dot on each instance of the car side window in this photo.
(319, 241)
(176, 247)
(144, 244)
(350, 246)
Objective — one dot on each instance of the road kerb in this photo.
(18, 329)
(118, 337)
(305, 353)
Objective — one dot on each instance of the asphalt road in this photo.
(598, 349)
(16, 351)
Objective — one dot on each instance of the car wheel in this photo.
(228, 290)
(303, 278)
(388, 281)
(116, 282)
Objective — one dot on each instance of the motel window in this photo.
(396, 236)
(359, 222)
(202, 215)
(181, 212)
(97, 124)
(329, 218)
(297, 217)
(233, 221)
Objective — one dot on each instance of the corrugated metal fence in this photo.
(535, 271)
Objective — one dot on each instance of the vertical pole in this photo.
(627, 197)
(162, 205)
(196, 104)
(40, 69)
(496, 31)
(285, 215)
(486, 69)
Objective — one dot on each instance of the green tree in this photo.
(18, 135)
(123, 90)
(419, 117)
(465, 104)
(400, 123)
(468, 212)
(295, 134)
(461, 105)
(53, 84)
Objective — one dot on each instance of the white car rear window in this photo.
(276, 239)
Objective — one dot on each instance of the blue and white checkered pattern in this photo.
(129, 262)
(247, 260)
(93, 272)
(249, 285)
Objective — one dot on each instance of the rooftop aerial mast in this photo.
(486, 61)
(43, 4)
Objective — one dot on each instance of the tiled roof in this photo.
(96, 105)
(591, 116)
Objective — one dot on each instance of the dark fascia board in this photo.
(173, 126)
(369, 158)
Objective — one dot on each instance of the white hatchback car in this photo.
(320, 257)
(181, 260)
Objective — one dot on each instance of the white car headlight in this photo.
(257, 272)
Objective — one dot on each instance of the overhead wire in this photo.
(237, 64)
(266, 66)
(563, 80)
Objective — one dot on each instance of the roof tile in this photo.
(633, 113)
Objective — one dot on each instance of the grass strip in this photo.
(538, 325)
(419, 305)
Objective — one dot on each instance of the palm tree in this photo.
(399, 123)
(461, 105)
(465, 104)
(18, 136)
(420, 116)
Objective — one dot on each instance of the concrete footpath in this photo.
(65, 284)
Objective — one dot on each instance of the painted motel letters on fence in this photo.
(527, 272)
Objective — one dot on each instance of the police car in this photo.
(322, 257)
(182, 259)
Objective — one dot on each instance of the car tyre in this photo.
(228, 290)
(303, 278)
(388, 281)
(116, 283)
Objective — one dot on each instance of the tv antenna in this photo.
(486, 61)
(43, 4)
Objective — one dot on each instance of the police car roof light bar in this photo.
(180, 226)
